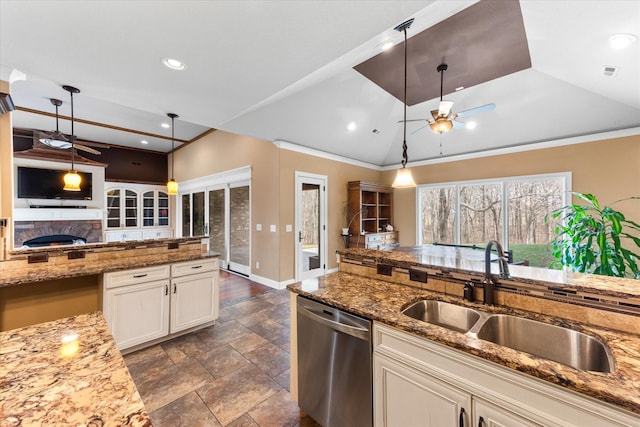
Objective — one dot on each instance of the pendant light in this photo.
(172, 185)
(71, 179)
(403, 177)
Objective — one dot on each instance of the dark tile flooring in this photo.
(235, 373)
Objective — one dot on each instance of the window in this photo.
(510, 210)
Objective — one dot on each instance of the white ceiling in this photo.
(282, 70)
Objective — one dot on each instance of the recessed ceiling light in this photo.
(459, 88)
(166, 125)
(174, 64)
(471, 125)
(620, 41)
(144, 141)
(352, 126)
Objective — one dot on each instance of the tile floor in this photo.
(235, 373)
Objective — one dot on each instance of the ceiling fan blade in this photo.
(458, 125)
(419, 129)
(87, 149)
(445, 108)
(476, 110)
(412, 120)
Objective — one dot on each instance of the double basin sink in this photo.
(557, 343)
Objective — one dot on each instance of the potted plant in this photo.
(589, 239)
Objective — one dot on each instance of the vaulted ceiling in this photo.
(284, 70)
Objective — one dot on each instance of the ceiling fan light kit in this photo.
(72, 179)
(404, 179)
(172, 185)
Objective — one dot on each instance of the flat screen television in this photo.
(36, 183)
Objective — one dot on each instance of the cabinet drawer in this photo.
(193, 267)
(135, 276)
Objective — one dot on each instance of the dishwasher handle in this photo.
(354, 331)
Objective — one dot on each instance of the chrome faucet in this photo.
(489, 285)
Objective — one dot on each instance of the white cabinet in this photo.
(417, 380)
(194, 298)
(407, 397)
(136, 304)
(147, 304)
(122, 208)
(122, 236)
(165, 233)
(136, 212)
(155, 208)
(487, 414)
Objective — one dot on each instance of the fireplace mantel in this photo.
(56, 214)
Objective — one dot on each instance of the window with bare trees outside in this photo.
(510, 210)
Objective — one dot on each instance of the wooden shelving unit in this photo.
(371, 207)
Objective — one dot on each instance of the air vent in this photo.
(610, 71)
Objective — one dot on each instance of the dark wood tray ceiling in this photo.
(483, 42)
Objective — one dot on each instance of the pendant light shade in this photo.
(71, 179)
(172, 185)
(404, 179)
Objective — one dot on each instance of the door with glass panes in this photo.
(223, 214)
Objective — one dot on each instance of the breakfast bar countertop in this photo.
(67, 372)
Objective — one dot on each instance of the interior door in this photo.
(311, 252)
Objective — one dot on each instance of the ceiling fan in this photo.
(443, 119)
(58, 140)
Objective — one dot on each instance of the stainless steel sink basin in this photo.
(450, 316)
(551, 342)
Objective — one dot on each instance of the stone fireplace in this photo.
(26, 230)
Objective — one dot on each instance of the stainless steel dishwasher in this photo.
(334, 365)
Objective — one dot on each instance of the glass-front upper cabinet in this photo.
(122, 208)
(155, 209)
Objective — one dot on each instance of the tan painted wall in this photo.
(609, 169)
(222, 151)
(272, 192)
(338, 174)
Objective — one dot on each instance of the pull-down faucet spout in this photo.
(489, 285)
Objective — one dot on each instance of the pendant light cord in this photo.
(73, 148)
(172, 144)
(404, 140)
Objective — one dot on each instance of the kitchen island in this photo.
(67, 373)
(363, 288)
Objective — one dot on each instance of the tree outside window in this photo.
(510, 210)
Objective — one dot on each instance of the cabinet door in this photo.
(194, 300)
(409, 398)
(486, 414)
(113, 208)
(137, 313)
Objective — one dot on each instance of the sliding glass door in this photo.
(223, 214)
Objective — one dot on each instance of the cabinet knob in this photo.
(461, 419)
(480, 422)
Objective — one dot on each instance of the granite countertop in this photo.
(471, 262)
(66, 372)
(383, 301)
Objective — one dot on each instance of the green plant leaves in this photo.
(589, 239)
